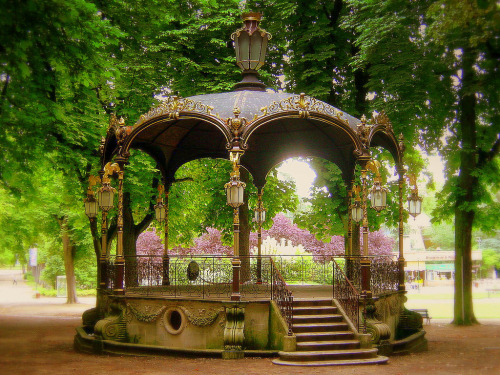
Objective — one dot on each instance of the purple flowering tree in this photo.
(210, 243)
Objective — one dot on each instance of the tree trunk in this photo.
(96, 239)
(467, 183)
(129, 244)
(69, 260)
(245, 231)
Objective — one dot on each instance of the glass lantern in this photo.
(250, 43)
(160, 211)
(357, 212)
(414, 204)
(378, 197)
(260, 215)
(234, 192)
(106, 197)
(91, 207)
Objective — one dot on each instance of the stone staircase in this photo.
(324, 338)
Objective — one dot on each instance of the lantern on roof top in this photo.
(250, 43)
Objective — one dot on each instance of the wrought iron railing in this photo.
(282, 296)
(346, 294)
(197, 276)
(192, 276)
(211, 276)
(384, 276)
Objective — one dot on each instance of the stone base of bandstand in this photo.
(204, 327)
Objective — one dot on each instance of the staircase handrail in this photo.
(282, 296)
(346, 294)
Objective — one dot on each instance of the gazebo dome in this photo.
(272, 126)
(264, 126)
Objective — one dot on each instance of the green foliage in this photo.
(441, 236)
(491, 259)
(199, 201)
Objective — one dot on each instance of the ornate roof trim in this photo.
(173, 106)
(304, 104)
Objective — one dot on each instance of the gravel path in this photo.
(36, 337)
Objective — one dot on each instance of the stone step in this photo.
(324, 336)
(311, 302)
(340, 362)
(327, 355)
(314, 310)
(324, 318)
(328, 345)
(320, 327)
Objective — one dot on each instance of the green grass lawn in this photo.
(440, 306)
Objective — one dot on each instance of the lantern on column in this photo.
(160, 209)
(106, 193)
(91, 205)
(106, 197)
(234, 192)
(378, 194)
(235, 188)
(356, 208)
(414, 201)
(260, 214)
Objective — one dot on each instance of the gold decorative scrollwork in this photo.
(381, 119)
(173, 106)
(236, 123)
(363, 131)
(109, 170)
(304, 104)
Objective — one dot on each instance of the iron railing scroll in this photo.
(384, 276)
(282, 296)
(346, 294)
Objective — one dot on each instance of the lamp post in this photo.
(260, 218)
(106, 199)
(161, 212)
(414, 201)
(365, 263)
(250, 44)
(235, 193)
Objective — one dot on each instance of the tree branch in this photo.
(96, 239)
(4, 92)
(141, 227)
(486, 157)
(112, 231)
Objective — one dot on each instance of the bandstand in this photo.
(202, 305)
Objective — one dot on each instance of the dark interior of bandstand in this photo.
(256, 129)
